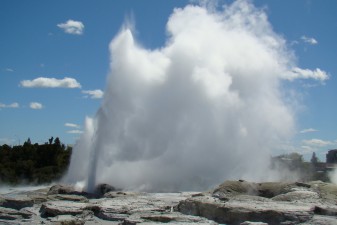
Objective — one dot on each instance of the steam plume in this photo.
(205, 107)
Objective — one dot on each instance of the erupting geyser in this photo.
(205, 107)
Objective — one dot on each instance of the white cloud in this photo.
(44, 82)
(308, 130)
(94, 94)
(75, 132)
(13, 105)
(309, 40)
(35, 105)
(298, 73)
(317, 143)
(73, 125)
(9, 70)
(72, 27)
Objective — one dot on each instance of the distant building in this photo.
(331, 156)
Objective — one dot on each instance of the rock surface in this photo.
(236, 202)
(232, 203)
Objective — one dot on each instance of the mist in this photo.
(207, 106)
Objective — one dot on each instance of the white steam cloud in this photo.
(205, 107)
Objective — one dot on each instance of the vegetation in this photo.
(43, 163)
(34, 163)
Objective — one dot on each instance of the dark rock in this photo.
(300, 184)
(322, 210)
(253, 223)
(102, 189)
(61, 189)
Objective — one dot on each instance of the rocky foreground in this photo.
(233, 202)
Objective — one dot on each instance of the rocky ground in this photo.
(233, 202)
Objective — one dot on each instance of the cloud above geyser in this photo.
(12, 105)
(46, 82)
(72, 27)
(205, 107)
(72, 125)
(35, 105)
(93, 94)
(309, 40)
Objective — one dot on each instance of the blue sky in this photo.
(35, 43)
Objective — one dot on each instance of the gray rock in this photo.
(236, 212)
(253, 223)
(171, 218)
(56, 208)
(233, 202)
(115, 194)
(327, 191)
(13, 214)
(17, 202)
(298, 195)
(321, 220)
(67, 219)
(72, 198)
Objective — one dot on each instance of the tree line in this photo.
(34, 163)
(43, 163)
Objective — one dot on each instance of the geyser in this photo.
(206, 107)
